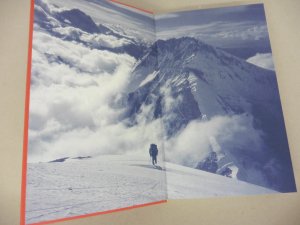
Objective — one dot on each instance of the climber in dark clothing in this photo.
(153, 151)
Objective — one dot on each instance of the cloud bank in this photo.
(228, 133)
(72, 90)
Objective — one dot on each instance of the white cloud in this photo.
(180, 31)
(79, 56)
(216, 31)
(194, 142)
(110, 139)
(49, 6)
(264, 60)
(76, 90)
(94, 40)
(104, 40)
(243, 31)
(72, 90)
(68, 31)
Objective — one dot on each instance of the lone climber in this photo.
(153, 151)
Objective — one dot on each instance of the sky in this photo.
(242, 30)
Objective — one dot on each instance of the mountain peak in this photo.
(182, 44)
(79, 19)
(202, 80)
(186, 39)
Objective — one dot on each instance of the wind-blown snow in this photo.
(263, 60)
(149, 78)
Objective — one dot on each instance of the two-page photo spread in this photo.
(129, 108)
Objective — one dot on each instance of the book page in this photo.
(92, 149)
(223, 122)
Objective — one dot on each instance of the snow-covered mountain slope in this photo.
(185, 81)
(219, 82)
(87, 185)
(188, 183)
(77, 187)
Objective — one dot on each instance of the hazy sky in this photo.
(236, 27)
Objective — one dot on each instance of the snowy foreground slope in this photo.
(77, 187)
(82, 186)
(186, 183)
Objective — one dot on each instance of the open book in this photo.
(129, 109)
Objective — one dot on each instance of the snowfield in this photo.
(188, 183)
(83, 186)
(77, 187)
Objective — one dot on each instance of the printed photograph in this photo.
(129, 109)
(85, 153)
(222, 112)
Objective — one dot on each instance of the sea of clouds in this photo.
(72, 89)
(74, 93)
